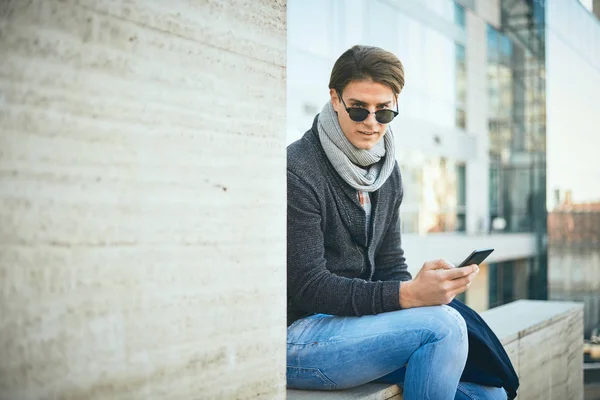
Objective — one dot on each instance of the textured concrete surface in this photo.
(527, 316)
(373, 391)
(142, 199)
(553, 358)
(544, 340)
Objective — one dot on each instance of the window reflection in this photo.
(434, 194)
(461, 87)
(459, 15)
(517, 134)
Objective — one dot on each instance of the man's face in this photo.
(364, 94)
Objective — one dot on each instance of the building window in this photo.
(432, 188)
(509, 281)
(516, 169)
(501, 283)
(459, 15)
(461, 198)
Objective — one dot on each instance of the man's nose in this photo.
(371, 121)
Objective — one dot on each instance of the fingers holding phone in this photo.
(458, 273)
(471, 262)
(461, 284)
(438, 282)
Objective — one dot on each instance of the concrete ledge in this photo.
(544, 340)
(372, 391)
(523, 317)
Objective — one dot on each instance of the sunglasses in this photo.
(359, 114)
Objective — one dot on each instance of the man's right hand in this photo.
(438, 282)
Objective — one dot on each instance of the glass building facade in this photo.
(517, 128)
(517, 118)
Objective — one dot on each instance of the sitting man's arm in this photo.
(311, 286)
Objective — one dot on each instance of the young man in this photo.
(355, 314)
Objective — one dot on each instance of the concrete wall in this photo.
(544, 340)
(142, 199)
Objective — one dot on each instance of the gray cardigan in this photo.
(335, 264)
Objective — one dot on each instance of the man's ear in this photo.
(334, 98)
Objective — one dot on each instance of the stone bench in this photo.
(544, 340)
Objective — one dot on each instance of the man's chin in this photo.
(365, 144)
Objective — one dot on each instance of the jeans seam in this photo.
(301, 323)
(466, 392)
(318, 373)
(378, 334)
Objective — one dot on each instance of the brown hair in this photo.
(367, 62)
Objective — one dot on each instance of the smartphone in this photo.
(476, 257)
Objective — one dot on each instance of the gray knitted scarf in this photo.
(364, 170)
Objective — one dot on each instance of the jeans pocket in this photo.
(295, 332)
(308, 378)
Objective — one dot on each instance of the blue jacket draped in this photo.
(487, 362)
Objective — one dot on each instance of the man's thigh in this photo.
(328, 352)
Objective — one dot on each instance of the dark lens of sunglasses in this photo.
(358, 114)
(384, 116)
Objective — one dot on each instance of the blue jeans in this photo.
(422, 349)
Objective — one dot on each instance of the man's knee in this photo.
(439, 321)
(451, 329)
(446, 328)
(448, 322)
(455, 320)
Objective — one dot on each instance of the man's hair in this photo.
(367, 62)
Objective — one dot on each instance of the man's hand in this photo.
(438, 282)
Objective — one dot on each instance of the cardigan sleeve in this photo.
(311, 286)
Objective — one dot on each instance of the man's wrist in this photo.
(407, 298)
